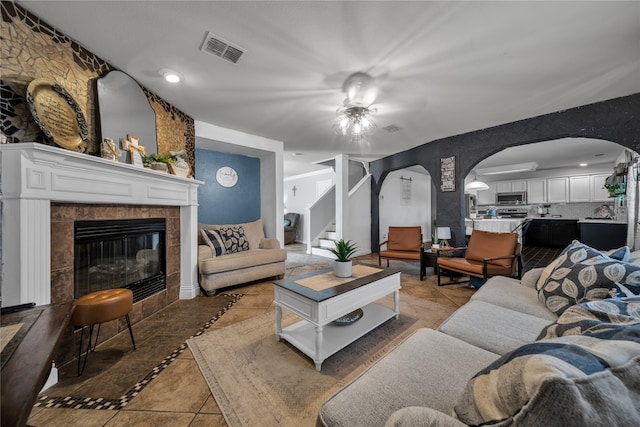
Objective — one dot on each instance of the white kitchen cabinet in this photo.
(487, 197)
(536, 191)
(519, 185)
(580, 188)
(503, 187)
(511, 186)
(558, 189)
(598, 192)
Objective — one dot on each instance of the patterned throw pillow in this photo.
(575, 380)
(214, 241)
(595, 316)
(620, 254)
(584, 274)
(234, 239)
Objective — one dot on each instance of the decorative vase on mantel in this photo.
(342, 268)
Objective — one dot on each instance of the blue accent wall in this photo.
(232, 205)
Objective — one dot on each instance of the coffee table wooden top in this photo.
(323, 284)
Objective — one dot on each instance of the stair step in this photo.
(332, 235)
(326, 243)
(317, 250)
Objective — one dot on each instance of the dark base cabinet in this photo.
(603, 236)
(550, 232)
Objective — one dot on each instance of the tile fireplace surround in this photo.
(35, 175)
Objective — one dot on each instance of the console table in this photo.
(27, 357)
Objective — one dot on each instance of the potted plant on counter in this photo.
(343, 252)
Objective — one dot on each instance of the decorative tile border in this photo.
(45, 401)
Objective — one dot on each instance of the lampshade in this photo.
(476, 185)
(444, 233)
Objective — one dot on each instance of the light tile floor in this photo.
(179, 395)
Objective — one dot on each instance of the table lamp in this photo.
(444, 234)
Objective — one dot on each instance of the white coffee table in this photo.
(319, 298)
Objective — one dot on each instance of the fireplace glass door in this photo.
(120, 254)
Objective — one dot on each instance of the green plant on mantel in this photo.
(156, 158)
(344, 250)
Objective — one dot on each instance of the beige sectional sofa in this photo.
(251, 256)
(488, 365)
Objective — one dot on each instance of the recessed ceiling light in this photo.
(584, 164)
(297, 154)
(171, 76)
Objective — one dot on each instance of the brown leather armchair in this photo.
(403, 243)
(488, 254)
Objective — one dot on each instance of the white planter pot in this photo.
(342, 268)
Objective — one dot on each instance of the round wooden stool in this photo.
(99, 307)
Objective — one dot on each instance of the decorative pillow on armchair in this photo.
(571, 381)
(583, 274)
(234, 239)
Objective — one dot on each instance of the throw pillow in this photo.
(213, 240)
(584, 274)
(620, 290)
(287, 223)
(234, 239)
(552, 265)
(595, 316)
(621, 254)
(569, 381)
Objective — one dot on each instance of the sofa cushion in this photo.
(428, 369)
(213, 239)
(574, 380)
(584, 274)
(493, 328)
(234, 239)
(595, 316)
(240, 260)
(509, 293)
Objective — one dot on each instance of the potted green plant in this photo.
(159, 162)
(435, 240)
(343, 252)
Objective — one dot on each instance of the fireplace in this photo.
(36, 177)
(120, 254)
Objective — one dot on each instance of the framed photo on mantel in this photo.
(448, 173)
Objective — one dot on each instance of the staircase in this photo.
(325, 243)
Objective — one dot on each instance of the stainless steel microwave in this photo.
(514, 198)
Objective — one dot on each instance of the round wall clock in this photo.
(226, 176)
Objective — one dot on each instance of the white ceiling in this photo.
(442, 68)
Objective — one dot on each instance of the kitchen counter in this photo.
(498, 225)
(602, 221)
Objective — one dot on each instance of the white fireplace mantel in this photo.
(33, 175)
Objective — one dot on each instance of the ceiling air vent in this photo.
(218, 46)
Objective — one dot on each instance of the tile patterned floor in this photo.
(172, 391)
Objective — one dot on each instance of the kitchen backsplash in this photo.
(572, 210)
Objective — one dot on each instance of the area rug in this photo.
(258, 381)
(295, 260)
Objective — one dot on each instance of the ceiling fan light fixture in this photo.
(354, 121)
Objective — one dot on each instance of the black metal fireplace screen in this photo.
(120, 254)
